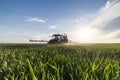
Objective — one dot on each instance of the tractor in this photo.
(56, 39)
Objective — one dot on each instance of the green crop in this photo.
(59, 62)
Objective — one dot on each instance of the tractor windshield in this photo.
(55, 37)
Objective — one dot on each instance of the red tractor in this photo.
(58, 38)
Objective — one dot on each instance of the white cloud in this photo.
(107, 13)
(98, 21)
(104, 16)
(110, 37)
(107, 5)
(52, 26)
(35, 19)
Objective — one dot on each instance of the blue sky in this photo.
(82, 20)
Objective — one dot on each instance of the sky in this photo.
(84, 21)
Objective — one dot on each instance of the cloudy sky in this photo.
(82, 20)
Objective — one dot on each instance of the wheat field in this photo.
(59, 62)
